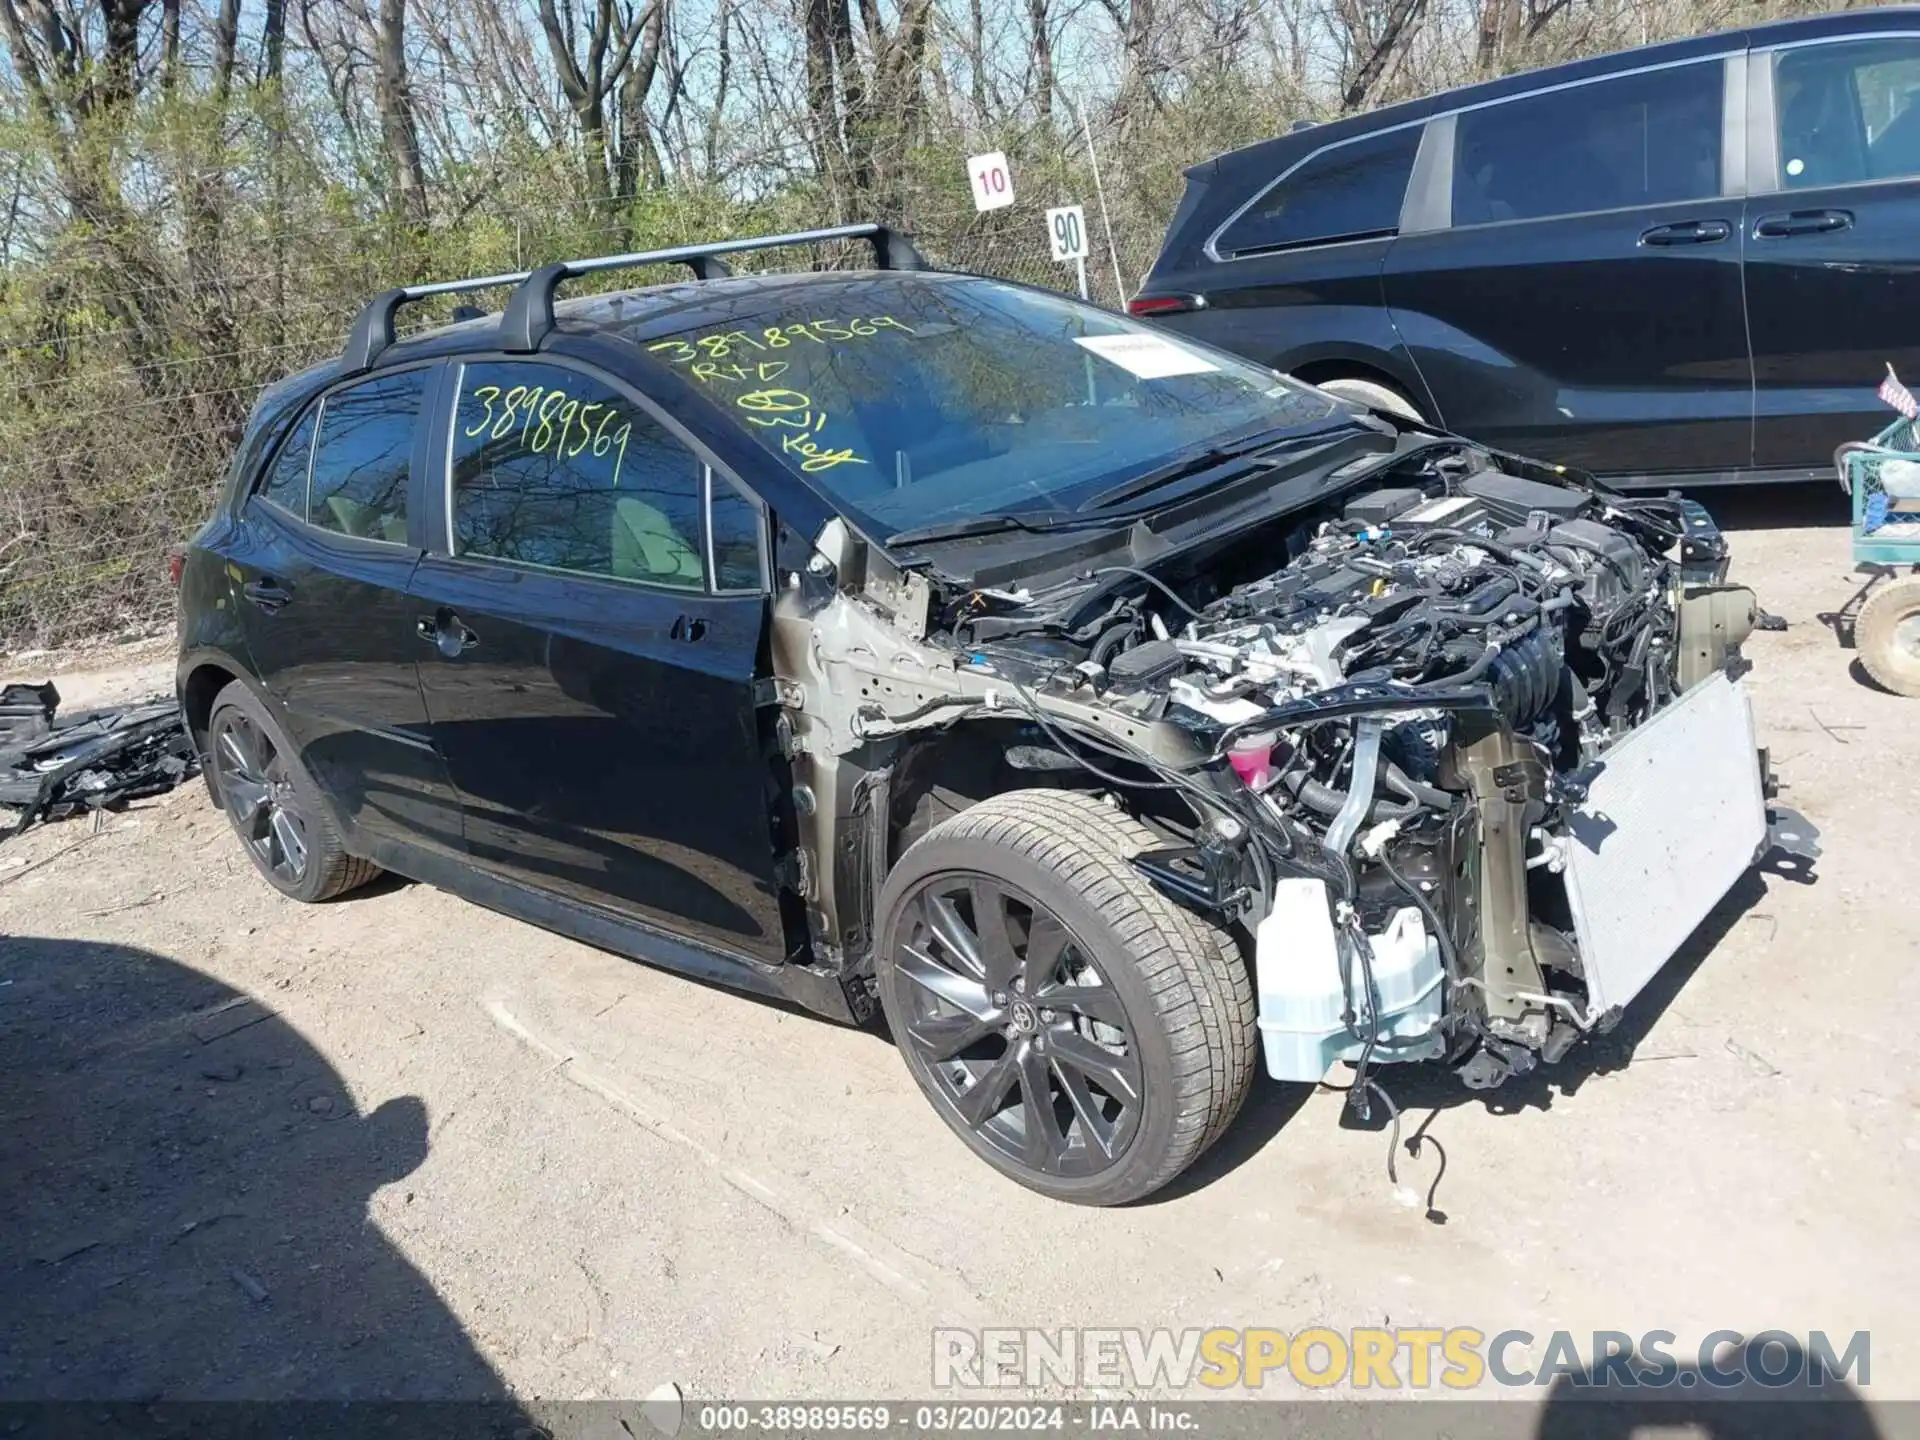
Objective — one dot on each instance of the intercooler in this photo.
(1675, 817)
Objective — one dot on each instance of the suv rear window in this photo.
(1346, 192)
(285, 483)
(1848, 112)
(1643, 139)
(361, 462)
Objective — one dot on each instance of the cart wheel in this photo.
(1888, 636)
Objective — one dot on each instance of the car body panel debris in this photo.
(52, 767)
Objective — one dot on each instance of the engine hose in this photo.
(1327, 801)
(1403, 784)
(1109, 644)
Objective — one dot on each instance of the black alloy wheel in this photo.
(1016, 1027)
(257, 790)
(275, 808)
(1076, 1029)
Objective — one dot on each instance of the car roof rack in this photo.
(528, 319)
(529, 314)
(373, 330)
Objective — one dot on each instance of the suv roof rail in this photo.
(373, 330)
(529, 314)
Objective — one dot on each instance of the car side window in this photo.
(361, 462)
(733, 519)
(556, 469)
(285, 483)
(1346, 192)
(1848, 112)
(1635, 140)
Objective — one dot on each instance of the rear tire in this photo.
(1100, 990)
(1374, 396)
(272, 803)
(1887, 633)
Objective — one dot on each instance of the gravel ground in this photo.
(399, 1145)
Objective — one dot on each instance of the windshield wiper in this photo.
(983, 525)
(1253, 450)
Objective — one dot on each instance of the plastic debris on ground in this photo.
(52, 767)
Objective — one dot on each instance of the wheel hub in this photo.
(260, 799)
(1907, 634)
(1014, 1026)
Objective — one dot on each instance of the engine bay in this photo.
(1367, 729)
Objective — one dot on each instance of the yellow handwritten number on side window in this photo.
(545, 418)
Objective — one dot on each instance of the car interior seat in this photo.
(1895, 151)
(1820, 136)
(646, 546)
(368, 522)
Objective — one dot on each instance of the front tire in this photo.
(1080, 1032)
(273, 804)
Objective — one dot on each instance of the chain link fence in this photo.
(105, 463)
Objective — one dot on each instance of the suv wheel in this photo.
(273, 803)
(1080, 1032)
(1374, 396)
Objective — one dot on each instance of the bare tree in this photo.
(587, 79)
(1371, 32)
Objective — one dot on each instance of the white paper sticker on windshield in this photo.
(1148, 356)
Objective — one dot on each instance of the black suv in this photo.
(1689, 263)
(1102, 706)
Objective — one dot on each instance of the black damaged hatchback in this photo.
(1108, 711)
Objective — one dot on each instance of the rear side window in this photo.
(1637, 140)
(361, 462)
(556, 469)
(1848, 112)
(1346, 192)
(285, 482)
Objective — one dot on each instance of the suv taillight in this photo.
(1147, 306)
(176, 564)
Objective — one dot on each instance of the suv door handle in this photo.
(1687, 232)
(266, 592)
(1802, 222)
(445, 631)
(687, 628)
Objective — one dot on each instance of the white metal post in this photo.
(1106, 220)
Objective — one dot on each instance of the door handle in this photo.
(1687, 232)
(1802, 222)
(266, 592)
(688, 628)
(446, 633)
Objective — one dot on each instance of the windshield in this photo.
(929, 399)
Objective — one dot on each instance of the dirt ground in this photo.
(401, 1146)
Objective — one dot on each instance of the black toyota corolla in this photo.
(1105, 709)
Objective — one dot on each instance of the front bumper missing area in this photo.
(1675, 816)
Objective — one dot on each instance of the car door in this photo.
(1569, 279)
(591, 627)
(1833, 241)
(320, 560)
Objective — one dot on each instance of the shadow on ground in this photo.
(1776, 507)
(185, 1184)
(1802, 1399)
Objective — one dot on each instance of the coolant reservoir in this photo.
(1297, 968)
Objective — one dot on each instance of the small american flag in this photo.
(1898, 396)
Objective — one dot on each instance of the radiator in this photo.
(1675, 817)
